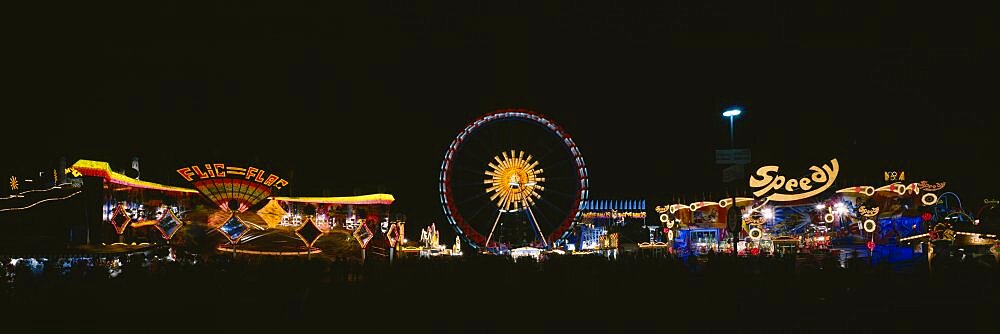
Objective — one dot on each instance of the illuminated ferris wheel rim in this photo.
(455, 219)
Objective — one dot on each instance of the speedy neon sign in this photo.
(218, 170)
(782, 189)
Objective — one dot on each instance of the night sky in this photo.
(343, 98)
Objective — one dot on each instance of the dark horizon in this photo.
(357, 97)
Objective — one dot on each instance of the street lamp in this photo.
(731, 113)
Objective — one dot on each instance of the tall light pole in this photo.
(731, 113)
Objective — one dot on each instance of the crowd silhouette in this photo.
(483, 294)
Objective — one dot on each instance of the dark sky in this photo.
(357, 96)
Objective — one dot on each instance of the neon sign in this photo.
(218, 170)
(895, 176)
(772, 185)
(923, 185)
(868, 212)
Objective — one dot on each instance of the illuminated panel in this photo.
(272, 213)
(384, 199)
(309, 233)
(168, 225)
(120, 219)
(220, 191)
(103, 170)
(363, 234)
(234, 229)
(393, 235)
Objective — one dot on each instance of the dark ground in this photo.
(492, 295)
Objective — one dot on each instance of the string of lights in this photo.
(41, 201)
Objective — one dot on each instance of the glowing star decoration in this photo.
(308, 232)
(13, 183)
(363, 234)
(120, 219)
(781, 189)
(514, 181)
(869, 226)
(168, 224)
(866, 212)
(234, 229)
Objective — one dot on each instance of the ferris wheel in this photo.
(512, 178)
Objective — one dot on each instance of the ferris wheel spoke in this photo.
(545, 220)
(551, 205)
(560, 193)
(479, 211)
(470, 199)
(562, 179)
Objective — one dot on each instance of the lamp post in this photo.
(731, 113)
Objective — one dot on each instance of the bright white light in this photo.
(842, 210)
(820, 206)
(838, 205)
(731, 112)
(406, 240)
(768, 214)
